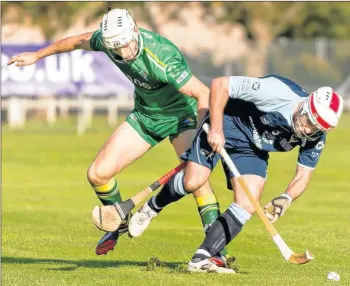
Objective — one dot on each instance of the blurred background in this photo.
(56, 115)
(308, 42)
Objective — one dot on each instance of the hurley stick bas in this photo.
(109, 217)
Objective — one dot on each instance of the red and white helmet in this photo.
(324, 108)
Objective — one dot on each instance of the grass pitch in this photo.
(48, 237)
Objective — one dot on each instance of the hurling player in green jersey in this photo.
(168, 100)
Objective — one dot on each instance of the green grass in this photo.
(48, 237)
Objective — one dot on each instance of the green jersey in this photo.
(157, 73)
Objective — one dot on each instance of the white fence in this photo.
(18, 108)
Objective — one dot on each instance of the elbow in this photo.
(196, 89)
(77, 45)
(220, 83)
(219, 88)
(217, 82)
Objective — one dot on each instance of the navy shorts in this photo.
(248, 159)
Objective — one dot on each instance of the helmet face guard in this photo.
(128, 51)
(302, 122)
(319, 113)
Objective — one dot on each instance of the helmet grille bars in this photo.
(119, 21)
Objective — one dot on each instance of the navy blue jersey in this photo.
(262, 109)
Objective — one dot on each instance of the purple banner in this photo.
(67, 74)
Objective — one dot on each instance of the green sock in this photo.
(209, 211)
(108, 193)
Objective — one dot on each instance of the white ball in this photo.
(333, 276)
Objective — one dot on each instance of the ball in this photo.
(333, 276)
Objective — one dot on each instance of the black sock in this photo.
(170, 192)
(221, 232)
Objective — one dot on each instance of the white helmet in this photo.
(324, 108)
(118, 28)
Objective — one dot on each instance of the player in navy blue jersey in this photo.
(250, 117)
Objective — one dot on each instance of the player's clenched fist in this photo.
(279, 206)
(216, 140)
(23, 59)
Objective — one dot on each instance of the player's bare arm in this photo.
(295, 188)
(69, 44)
(198, 90)
(299, 183)
(219, 95)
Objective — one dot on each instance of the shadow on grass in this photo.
(152, 264)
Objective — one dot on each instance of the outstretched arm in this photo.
(295, 188)
(299, 183)
(65, 45)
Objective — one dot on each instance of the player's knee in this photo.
(96, 175)
(250, 209)
(92, 176)
(193, 183)
(247, 206)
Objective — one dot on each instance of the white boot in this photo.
(141, 220)
(209, 265)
